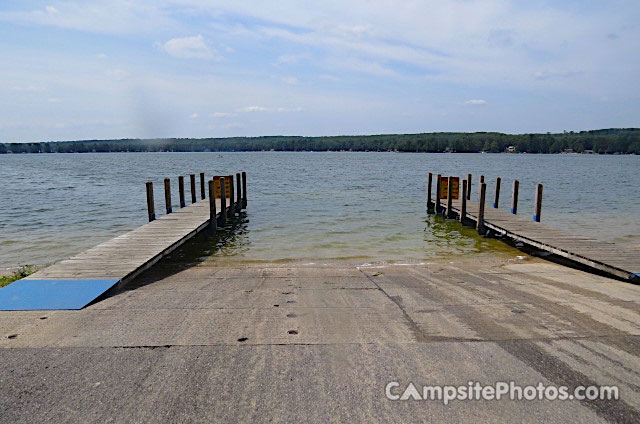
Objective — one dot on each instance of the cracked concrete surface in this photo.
(316, 344)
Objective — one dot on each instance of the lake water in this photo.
(309, 207)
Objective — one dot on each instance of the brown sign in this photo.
(227, 187)
(444, 187)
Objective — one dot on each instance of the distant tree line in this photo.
(607, 141)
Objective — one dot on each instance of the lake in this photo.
(307, 207)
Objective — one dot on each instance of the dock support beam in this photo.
(450, 198)
(463, 201)
(223, 202)
(239, 194)
(192, 177)
(181, 190)
(438, 188)
(514, 197)
(232, 205)
(202, 185)
(469, 176)
(480, 186)
(538, 212)
(496, 199)
(167, 195)
(213, 223)
(480, 221)
(429, 201)
(244, 190)
(150, 204)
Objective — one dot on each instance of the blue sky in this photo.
(195, 68)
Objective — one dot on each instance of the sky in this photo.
(73, 70)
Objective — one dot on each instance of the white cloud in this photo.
(475, 102)
(289, 109)
(289, 59)
(194, 115)
(218, 115)
(117, 74)
(189, 48)
(270, 109)
(254, 109)
(51, 10)
(291, 80)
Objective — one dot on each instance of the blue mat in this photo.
(34, 295)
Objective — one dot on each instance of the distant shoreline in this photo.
(605, 141)
(330, 151)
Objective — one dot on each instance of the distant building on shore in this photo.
(511, 149)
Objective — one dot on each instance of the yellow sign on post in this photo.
(444, 187)
(227, 187)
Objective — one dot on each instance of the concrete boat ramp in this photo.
(188, 342)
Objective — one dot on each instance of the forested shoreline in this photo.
(605, 141)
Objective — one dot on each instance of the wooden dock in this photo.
(75, 282)
(604, 257)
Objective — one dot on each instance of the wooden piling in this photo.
(202, 185)
(514, 197)
(469, 176)
(223, 202)
(480, 184)
(429, 201)
(192, 177)
(239, 193)
(450, 198)
(463, 200)
(244, 190)
(438, 188)
(232, 205)
(538, 212)
(480, 219)
(167, 195)
(496, 198)
(150, 204)
(213, 223)
(181, 191)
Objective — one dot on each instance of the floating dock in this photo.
(75, 282)
(597, 255)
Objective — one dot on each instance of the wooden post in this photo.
(150, 204)
(438, 188)
(167, 195)
(496, 199)
(202, 185)
(480, 221)
(479, 187)
(463, 204)
(223, 202)
(181, 190)
(450, 198)
(232, 205)
(429, 201)
(213, 223)
(244, 190)
(538, 212)
(239, 194)
(514, 197)
(193, 188)
(469, 186)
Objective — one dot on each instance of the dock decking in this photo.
(599, 255)
(75, 282)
